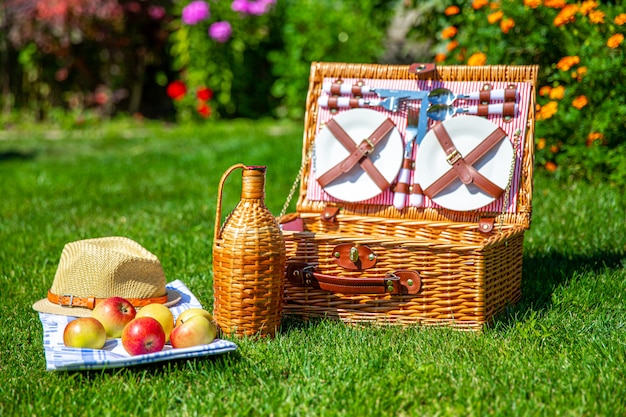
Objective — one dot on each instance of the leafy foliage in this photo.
(78, 54)
(580, 50)
(263, 67)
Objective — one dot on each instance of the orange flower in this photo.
(554, 148)
(440, 57)
(452, 45)
(477, 59)
(587, 6)
(452, 10)
(593, 137)
(495, 16)
(541, 143)
(555, 4)
(550, 166)
(448, 32)
(620, 19)
(579, 73)
(567, 62)
(615, 40)
(557, 93)
(479, 4)
(566, 15)
(507, 24)
(580, 102)
(545, 90)
(596, 16)
(547, 111)
(533, 4)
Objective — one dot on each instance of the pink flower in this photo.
(156, 12)
(220, 31)
(195, 12)
(240, 6)
(257, 7)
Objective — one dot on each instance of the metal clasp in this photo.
(354, 254)
(454, 157)
(61, 298)
(371, 146)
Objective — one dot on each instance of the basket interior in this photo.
(321, 71)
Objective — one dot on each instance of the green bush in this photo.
(263, 68)
(580, 50)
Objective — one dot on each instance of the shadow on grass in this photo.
(16, 155)
(544, 273)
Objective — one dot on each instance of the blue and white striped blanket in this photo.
(59, 357)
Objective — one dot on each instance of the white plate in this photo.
(356, 185)
(466, 133)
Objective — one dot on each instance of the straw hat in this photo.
(94, 269)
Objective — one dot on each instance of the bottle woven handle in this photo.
(218, 209)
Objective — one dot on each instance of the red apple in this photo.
(114, 313)
(84, 332)
(143, 335)
(162, 314)
(197, 330)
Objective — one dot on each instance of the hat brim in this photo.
(45, 306)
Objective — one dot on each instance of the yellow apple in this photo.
(162, 314)
(189, 313)
(195, 331)
(84, 332)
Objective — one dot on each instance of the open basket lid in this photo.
(399, 76)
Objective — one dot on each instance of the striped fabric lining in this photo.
(517, 124)
(61, 358)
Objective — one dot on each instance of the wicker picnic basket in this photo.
(367, 262)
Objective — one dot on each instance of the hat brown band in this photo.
(90, 302)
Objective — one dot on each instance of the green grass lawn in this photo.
(560, 351)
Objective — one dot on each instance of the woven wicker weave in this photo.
(248, 261)
(467, 275)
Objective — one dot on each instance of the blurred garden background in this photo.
(73, 63)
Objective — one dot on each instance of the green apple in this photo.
(162, 314)
(195, 331)
(84, 332)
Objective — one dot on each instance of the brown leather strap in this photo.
(485, 94)
(90, 302)
(510, 93)
(508, 109)
(462, 166)
(422, 68)
(400, 282)
(358, 154)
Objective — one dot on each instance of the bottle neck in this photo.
(253, 183)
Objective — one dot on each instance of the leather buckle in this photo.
(370, 144)
(61, 298)
(454, 157)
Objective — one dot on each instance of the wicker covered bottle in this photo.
(248, 261)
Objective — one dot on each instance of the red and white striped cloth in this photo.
(515, 129)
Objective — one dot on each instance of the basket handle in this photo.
(218, 209)
(400, 282)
